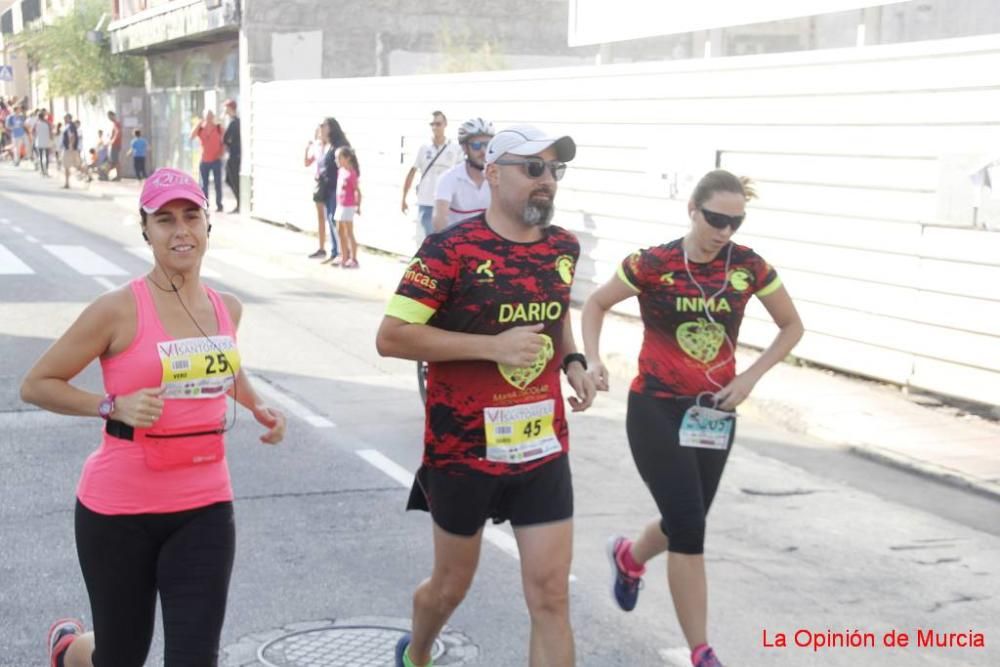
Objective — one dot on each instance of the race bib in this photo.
(706, 428)
(198, 367)
(521, 433)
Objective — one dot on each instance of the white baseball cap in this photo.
(528, 140)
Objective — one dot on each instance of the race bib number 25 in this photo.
(198, 367)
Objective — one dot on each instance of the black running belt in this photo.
(123, 431)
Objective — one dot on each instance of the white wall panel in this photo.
(851, 150)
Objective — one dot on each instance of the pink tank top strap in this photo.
(144, 308)
(226, 327)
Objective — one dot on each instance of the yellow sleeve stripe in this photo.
(770, 289)
(409, 310)
(624, 278)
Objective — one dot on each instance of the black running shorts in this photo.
(460, 503)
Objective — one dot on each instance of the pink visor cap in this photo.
(165, 185)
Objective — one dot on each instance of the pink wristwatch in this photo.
(107, 406)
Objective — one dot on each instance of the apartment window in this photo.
(31, 10)
(7, 22)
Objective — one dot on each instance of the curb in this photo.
(926, 470)
(794, 421)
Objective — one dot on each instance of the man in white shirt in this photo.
(432, 160)
(462, 191)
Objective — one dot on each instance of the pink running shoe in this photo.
(704, 656)
(62, 633)
(625, 585)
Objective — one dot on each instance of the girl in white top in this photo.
(315, 156)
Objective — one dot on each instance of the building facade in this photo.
(22, 79)
(191, 50)
(201, 52)
(719, 28)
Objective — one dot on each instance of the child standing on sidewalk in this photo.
(348, 203)
(138, 149)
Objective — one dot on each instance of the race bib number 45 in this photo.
(198, 367)
(521, 433)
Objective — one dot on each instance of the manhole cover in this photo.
(345, 645)
(362, 641)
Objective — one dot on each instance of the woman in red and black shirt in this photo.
(692, 294)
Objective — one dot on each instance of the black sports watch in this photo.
(571, 357)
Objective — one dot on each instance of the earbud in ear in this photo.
(209, 228)
(145, 237)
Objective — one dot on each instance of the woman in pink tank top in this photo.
(154, 511)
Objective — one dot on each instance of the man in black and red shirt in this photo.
(486, 303)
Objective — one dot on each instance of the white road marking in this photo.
(496, 536)
(676, 657)
(105, 283)
(146, 253)
(503, 541)
(292, 405)
(4, 221)
(252, 264)
(17, 229)
(30, 238)
(85, 260)
(10, 264)
(387, 465)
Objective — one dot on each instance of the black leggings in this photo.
(683, 480)
(126, 560)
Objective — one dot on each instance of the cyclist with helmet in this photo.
(462, 191)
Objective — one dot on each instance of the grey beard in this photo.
(538, 216)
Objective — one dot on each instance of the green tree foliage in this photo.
(463, 54)
(73, 64)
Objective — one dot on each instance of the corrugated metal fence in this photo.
(861, 158)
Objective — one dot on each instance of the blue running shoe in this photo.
(402, 659)
(625, 585)
(401, 645)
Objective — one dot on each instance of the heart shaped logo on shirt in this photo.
(522, 377)
(564, 266)
(701, 339)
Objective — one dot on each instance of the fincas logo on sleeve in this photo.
(418, 274)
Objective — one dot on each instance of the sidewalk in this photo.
(874, 420)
